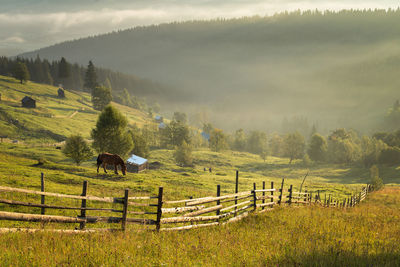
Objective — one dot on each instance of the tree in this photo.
(175, 134)
(318, 148)
(294, 146)
(101, 97)
(77, 149)
(110, 134)
(90, 77)
(64, 69)
(180, 117)
(371, 149)
(217, 140)
(376, 181)
(257, 142)
(183, 155)
(239, 142)
(276, 145)
(141, 146)
(21, 72)
(343, 146)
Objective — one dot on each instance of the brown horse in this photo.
(107, 158)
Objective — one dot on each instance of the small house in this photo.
(162, 126)
(61, 93)
(159, 118)
(136, 164)
(28, 102)
(206, 136)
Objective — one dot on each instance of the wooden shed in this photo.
(28, 102)
(61, 93)
(136, 164)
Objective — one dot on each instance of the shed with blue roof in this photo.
(136, 164)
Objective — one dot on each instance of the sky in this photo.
(26, 25)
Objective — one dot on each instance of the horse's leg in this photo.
(98, 166)
(116, 168)
(104, 167)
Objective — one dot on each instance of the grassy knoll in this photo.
(53, 119)
(366, 235)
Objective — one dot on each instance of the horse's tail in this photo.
(99, 161)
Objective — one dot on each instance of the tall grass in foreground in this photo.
(367, 235)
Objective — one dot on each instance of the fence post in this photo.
(325, 202)
(83, 204)
(318, 198)
(272, 192)
(290, 194)
(42, 198)
(281, 194)
(263, 194)
(305, 196)
(125, 209)
(218, 194)
(310, 198)
(254, 197)
(159, 208)
(236, 189)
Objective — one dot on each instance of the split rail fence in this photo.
(155, 213)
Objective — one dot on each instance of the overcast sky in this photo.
(26, 25)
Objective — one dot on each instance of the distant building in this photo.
(162, 125)
(205, 135)
(159, 118)
(61, 93)
(28, 102)
(136, 164)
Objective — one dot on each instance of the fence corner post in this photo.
(159, 208)
(290, 194)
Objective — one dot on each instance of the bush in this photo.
(376, 181)
(77, 149)
(183, 155)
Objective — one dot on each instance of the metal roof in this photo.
(136, 160)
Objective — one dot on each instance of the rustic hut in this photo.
(28, 102)
(136, 164)
(159, 118)
(61, 93)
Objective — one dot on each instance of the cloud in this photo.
(13, 40)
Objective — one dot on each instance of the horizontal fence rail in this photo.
(168, 215)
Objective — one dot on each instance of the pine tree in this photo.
(64, 70)
(90, 77)
(101, 97)
(110, 134)
(21, 72)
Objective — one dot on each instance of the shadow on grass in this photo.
(337, 257)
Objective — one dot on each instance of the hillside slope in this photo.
(53, 119)
(340, 69)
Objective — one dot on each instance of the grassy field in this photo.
(366, 235)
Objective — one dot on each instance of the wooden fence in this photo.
(155, 213)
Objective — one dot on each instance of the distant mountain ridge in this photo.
(336, 68)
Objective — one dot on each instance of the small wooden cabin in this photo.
(28, 102)
(61, 93)
(159, 119)
(136, 164)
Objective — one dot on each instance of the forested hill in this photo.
(340, 69)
